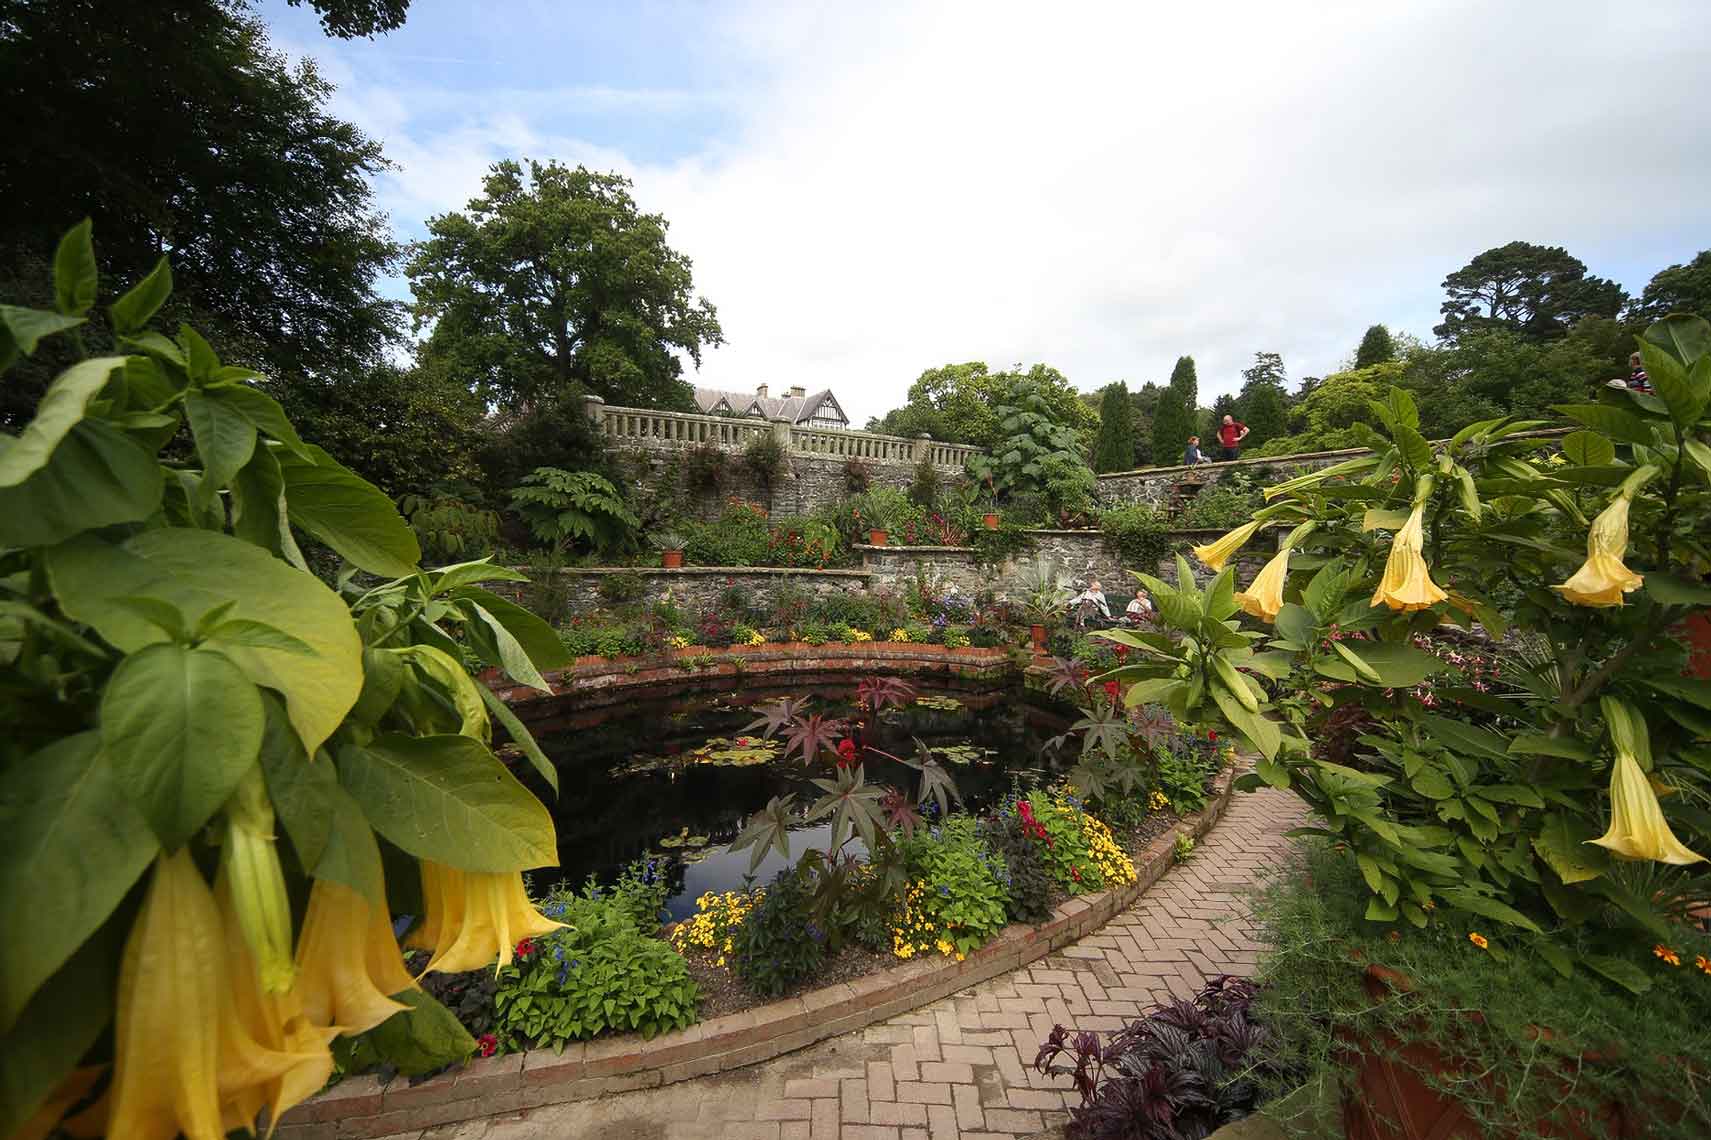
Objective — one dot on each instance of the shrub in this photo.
(856, 476)
(1219, 508)
(450, 529)
(563, 508)
(1138, 534)
(548, 590)
(765, 458)
(1029, 896)
(803, 542)
(1184, 1070)
(924, 489)
(778, 945)
(957, 894)
(704, 469)
(956, 640)
(1064, 847)
(741, 536)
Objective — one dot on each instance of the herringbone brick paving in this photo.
(960, 1069)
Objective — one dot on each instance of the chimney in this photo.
(761, 391)
(798, 391)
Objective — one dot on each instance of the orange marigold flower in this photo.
(1703, 963)
(1478, 939)
(1670, 957)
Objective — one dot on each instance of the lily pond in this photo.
(675, 778)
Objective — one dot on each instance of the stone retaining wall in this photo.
(697, 588)
(364, 1106)
(808, 482)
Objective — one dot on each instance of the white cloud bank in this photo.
(1106, 187)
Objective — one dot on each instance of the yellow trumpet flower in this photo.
(249, 865)
(1638, 829)
(473, 917)
(1214, 554)
(1264, 596)
(348, 963)
(1602, 579)
(1407, 583)
(167, 1030)
(271, 1056)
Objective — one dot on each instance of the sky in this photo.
(870, 190)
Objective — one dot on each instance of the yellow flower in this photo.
(1602, 579)
(348, 962)
(1264, 596)
(1668, 956)
(1407, 583)
(1638, 829)
(1478, 940)
(899, 634)
(1215, 554)
(1702, 963)
(249, 861)
(473, 917)
(167, 1034)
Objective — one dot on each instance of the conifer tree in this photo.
(1376, 347)
(1173, 423)
(1115, 450)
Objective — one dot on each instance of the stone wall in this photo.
(697, 588)
(809, 481)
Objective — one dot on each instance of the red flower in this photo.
(1112, 690)
(525, 949)
(1075, 873)
(846, 752)
(1122, 652)
(487, 1044)
(1212, 735)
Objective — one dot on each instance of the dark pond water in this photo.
(677, 778)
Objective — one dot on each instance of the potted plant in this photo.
(671, 546)
(1044, 596)
(990, 518)
(883, 510)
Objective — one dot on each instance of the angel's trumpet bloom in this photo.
(1215, 554)
(348, 963)
(474, 916)
(167, 1029)
(1264, 596)
(249, 864)
(1602, 579)
(271, 1056)
(1407, 583)
(1638, 829)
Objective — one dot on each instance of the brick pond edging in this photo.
(362, 1107)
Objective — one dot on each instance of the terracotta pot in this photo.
(991, 520)
(876, 537)
(1038, 632)
(1697, 629)
(1388, 1098)
(671, 559)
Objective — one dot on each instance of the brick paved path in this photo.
(961, 1068)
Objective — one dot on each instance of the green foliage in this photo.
(174, 679)
(1550, 1052)
(924, 487)
(706, 469)
(551, 282)
(567, 507)
(1028, 894)
(1115, 450)
(1535, 291)
(196, 135)
(1337, 413)
(1376, 347)
(550, 433)
(1678, 289)
(764, 458)
(958, 403)
(1138, 533)
(347, 19)
(779, 946)
(1219, 507)
(993, 548)
(740, 536)
(885, 508)
(963, 883)
(1173, 423)
(1065, 852)
(621, 586)
(449, 528)
(604, 972)
(1037, 450)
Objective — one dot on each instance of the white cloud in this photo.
(1106, 187)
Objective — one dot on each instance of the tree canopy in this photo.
(1173, 423)
(1534, 290)
(551, 281)
(1375, 348)
(180, 131)
(1115, 450)
(1678, 289)
(957, 403)
(346, 19)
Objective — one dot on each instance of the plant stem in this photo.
(1589, 687)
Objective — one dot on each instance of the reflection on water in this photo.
(676, 778)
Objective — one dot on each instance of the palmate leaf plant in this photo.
(198, 732)
(1570, 799)
(566, 507)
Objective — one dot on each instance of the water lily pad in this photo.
(948, 704)
(961, 753)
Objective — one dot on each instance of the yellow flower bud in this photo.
(1407, 583)
(249, 860)
(1215, 554)
(1602, 579)
(473, 917)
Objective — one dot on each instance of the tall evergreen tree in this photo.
(1265, 410)
(1115, 450)
(1376, 347)
(1173, 423)
(1536, 291)
(1186, 383)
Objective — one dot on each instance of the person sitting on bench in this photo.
(1090, 605)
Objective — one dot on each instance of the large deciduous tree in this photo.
(346, 19)
(957, 403)
(1534, 290)
(1376, 347)
(553, 281)
(1115, 450)
(180, 131)
(1678, 289)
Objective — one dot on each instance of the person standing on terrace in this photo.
(1230, 436)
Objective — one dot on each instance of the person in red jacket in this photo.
(1230, 436)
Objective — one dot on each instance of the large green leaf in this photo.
(1683, 391)
(180, 727)
(225, 440)
(264, 412)
(1465, 898)
(301, 789)
(1398, 666)
(1587, 449)
(198, 570)
(1262, 733)
(1459, 736)
(75, 278)
(96, 477)
(71, 845)
(28, 326)
(448, 799)
(511, 623)
(142, 300)
(1685, 338)
(61, 1023)
(348, 513)
(1562, 844)
(1614, 422)
(61, 407)
(258, 508)
(422, 1039)
(352, 855)
(520, 736)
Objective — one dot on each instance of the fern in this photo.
(564, 507)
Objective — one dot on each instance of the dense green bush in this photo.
(1028, 897)
(764, 457)
(740, 536)
(964, 887)
(779, 945)
(449, 528)
(705, 469)
(563, 508)
(1139, 534)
